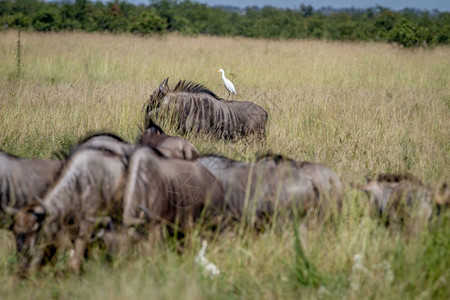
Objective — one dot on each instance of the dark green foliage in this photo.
(407, 34)
(149, 22)
(408, 27)
(46, 20)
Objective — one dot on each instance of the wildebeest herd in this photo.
(110, 190)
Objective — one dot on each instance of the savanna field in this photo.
(359, 108)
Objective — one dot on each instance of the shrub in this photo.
(46, 20)
(149, 22)
(404, 33)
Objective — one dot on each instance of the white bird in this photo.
(210, 268)
(228, 84)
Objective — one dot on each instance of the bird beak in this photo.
(217, 71)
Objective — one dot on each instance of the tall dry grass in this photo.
(360, 108)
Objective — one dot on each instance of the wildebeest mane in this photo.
(192, 87)
(275, 157)
(387, 177)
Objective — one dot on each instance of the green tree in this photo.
(149, 22)
(46, 20)
(385, 21)
(406, 34)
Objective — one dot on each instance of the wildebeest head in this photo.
(378, 193)
(150, 133)
(169, 146)
(157, 95)
(27, 225)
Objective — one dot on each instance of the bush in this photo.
(149, 22)
(46, 21)
(404, 33)
(14, 21)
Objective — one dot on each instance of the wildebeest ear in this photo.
(164, 86)
(154, 129)
(149, 123)
(39, 212)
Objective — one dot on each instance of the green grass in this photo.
(360, 108)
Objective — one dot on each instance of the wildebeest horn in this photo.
(10, 210)
(145, 210)
(164, 86)
(39, 200)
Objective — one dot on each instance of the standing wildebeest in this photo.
(22, 180)
(403, 201)
(169, 191)
(259, 190)
(87, 192)
(169, 146)
(324, 179)
(381, 189)
(196, 109)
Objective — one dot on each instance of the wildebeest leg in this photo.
(75, 258)
(154, 235)
(36, 261)
(80, 246)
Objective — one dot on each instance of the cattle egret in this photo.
(228, 84)
(208, 266)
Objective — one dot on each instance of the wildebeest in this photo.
(22, 180)
(324, 179)
(194, 108)
(403, 201)
(87, 192)
(169, 191)
(381, 189)
(257, 191)
(169, 146)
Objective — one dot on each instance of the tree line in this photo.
(408, 27)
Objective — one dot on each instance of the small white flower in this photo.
(358, 270)
(359, 266)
